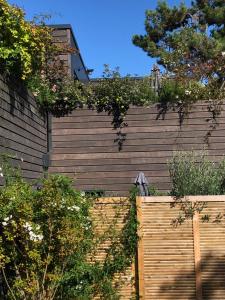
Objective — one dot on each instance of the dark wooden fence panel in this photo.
(85, 145)
(23, 131)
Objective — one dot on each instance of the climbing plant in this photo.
(23, 44)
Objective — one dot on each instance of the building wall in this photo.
(85, 145)
(74, 62)
(61, 36)
(23, 132)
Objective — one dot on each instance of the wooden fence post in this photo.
(141, 283)
(197, 256)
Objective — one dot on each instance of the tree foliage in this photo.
(189, 42)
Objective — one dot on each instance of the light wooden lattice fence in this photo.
(183, 262)
(110, 214)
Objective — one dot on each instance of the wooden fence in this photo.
(186, 261)
(23, 130)
(85, 145)
(182, 262)
(111, 213)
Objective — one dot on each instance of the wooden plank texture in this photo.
(23, 132)
(85, 144)
(197, 255)
(212, 247)
(108, 213)
(168, 255)
(187, 261)
(140, 251)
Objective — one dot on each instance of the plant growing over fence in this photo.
(29, 53)
(114, 94)
(193, 58)
(48, 243)
(192, 173)
(23, 44)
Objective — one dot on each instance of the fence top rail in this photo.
(170, 199)
(112, 200)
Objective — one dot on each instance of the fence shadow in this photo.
(213, 280)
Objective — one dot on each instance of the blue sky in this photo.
(103, 29)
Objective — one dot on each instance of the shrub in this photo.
(193, 174)
(48, 242)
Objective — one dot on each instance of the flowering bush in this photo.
(40, 231)
(60, 96)
(48, 242)
(114, 94)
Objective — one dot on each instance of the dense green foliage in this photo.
(189, 42)
(23, 45)
(29, 54)
(58, 95)
(115, 94)
(193, 174)
(48, 242)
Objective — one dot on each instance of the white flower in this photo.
(39, 237)
(65, 98)
(223, 53)
(1, 175)
(28, 226)
(177, 97)
(187, 92)
(77, 208)
(32, 236)
(82, 194)
(0, 169)
(4, 223)
(35, 94)
(21, 159)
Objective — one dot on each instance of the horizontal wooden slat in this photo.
(85, 142)
(23, 133)
(23, 116)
